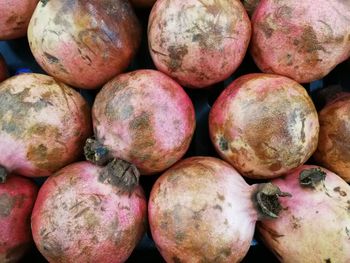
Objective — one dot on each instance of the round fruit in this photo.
(303, 40)
(198, 43)
(143, 117)
(43, 124)
(88, 213)
(264, 125)
(84, 43)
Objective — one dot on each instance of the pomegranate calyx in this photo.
(3, 175)
(311, 177)
(95, 152)
(121, 174)
(267, 199)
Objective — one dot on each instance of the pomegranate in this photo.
(143, 117)
(301, 39)
(142, 3)
(88, 213)
(198, 43)
(84, 43)
(202, 210)
(3, 69)
(17, 197)
(264, 125)
(314, 225)
(333, 147)
(14, 18)
(43, 124)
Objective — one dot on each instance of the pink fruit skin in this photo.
(264, 125)
(84, 43)
(14, 18)
(146, 118)
(78, 218)
(198, 43)
(3, 69)
(43, 125)
(201, 210)
(301, 39)
(333, 146)
(314, 225)
(17, 197)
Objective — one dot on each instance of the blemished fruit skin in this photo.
(142, 3)
(14, 18)
(198, 43)
(302, 40)
(201, 210)
(81, 216)
(43, 125)
(314, 225)
(264, 125)
(333, 147)
(84, 43)
(17, 197)
(3, 69)
(144, 117)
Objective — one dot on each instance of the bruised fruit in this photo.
(3, 69)
(303, 40)
(84, 43)
(43, 124)
(17, 197)
(202, 210)
(88, 213)
(333, 150)
(264, 125)
(14, 18)
(143, 117)
(314, 225)
(198, 43)
(142, 3)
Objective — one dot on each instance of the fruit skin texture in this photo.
(333, 150)
(3, 69)
(17, 197)
(43, 124)
(84, 43)
(299, 39)
(201, 210)
(80, 218)
(15, 16)
(314, 224)
(143, 3)
(144, 117)
(264, 125)
(198, 43)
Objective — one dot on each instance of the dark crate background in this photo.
(18, 57)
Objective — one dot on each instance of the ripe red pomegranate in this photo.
(198, 43)
(142, 3)
(303, 40)
(88, 213)
(43, 124)
(143, 117)
(333, 147)
(264, 125)
(14, 18)
(3, 69)
(314, 225)
(17, 197)
(202, 210)
(84, 43)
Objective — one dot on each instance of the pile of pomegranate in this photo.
(174, 131)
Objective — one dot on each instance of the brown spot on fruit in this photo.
(340, 191)
(176, 259)
(51, 58)
(220, 196)
(176, 54)
(223, 143)
(6, 204)
(218, 207)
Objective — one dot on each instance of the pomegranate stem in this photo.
(267, 199)
(311, 177)
(95, 152)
